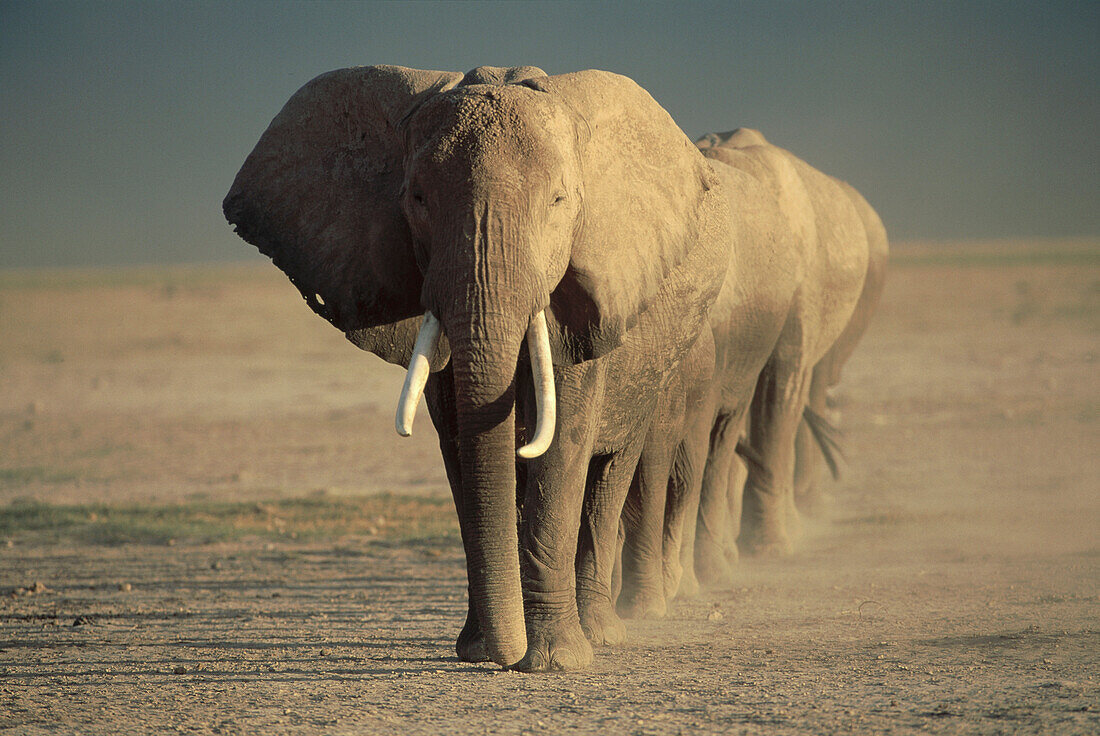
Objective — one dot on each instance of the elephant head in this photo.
(494, 205)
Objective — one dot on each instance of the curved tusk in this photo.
(542, 369)
(419, 366)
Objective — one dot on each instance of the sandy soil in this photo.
(953, 585)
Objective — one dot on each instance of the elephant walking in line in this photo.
(541, 252)
(827, 266)
(816, 435)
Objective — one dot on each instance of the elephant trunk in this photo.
(484, 358)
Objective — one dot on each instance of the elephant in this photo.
(827, 263)
(818, 436)
(839, 232)
(541, 252)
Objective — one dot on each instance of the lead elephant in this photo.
(437, 219)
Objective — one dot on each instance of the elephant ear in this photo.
(646, 208)
(739, 138)
(319, 195)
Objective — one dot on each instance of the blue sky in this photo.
(122, 124)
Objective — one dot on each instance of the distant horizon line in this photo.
(915, 251)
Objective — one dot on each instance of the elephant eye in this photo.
(558, 199)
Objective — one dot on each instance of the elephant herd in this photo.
(625, 340)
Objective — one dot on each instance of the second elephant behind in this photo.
(776, 351)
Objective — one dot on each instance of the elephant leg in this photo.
(711, 534)
(550, 526)
(439, 396)
(735, 493)
(685, 484)
(643, 594)
(807, 454)
(617, 569)
(768, 516)
(608, 482)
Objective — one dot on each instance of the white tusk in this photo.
(419, 367)
(542, 369)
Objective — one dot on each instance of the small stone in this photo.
(179, 670)
(125, 587)
(715, 616)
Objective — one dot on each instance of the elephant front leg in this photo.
(548, 543)
(548, 540)
(768, 516)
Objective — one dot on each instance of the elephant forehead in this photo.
(501, 124)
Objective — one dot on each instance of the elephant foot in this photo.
(470, 646)
(711, 567)
(689, 586)
(795, 529)
(601, 624)
(733, 555)
(767, 544)
(642, 604)
(556, 646)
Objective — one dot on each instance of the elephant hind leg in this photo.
(817, 438)
(643, 594)
(712, 536)
(609, 479)
(682, 506)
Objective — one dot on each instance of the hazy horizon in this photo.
(124, 123)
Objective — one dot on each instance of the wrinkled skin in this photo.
(779, 343)
(488, 199)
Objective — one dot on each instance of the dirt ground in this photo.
(952, 586)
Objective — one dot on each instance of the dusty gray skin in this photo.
(813, 440)
(777, 349)
(494, 200)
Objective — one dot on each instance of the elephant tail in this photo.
(828, 437)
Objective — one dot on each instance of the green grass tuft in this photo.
(388, 516)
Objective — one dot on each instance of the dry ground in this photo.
(192, 536)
